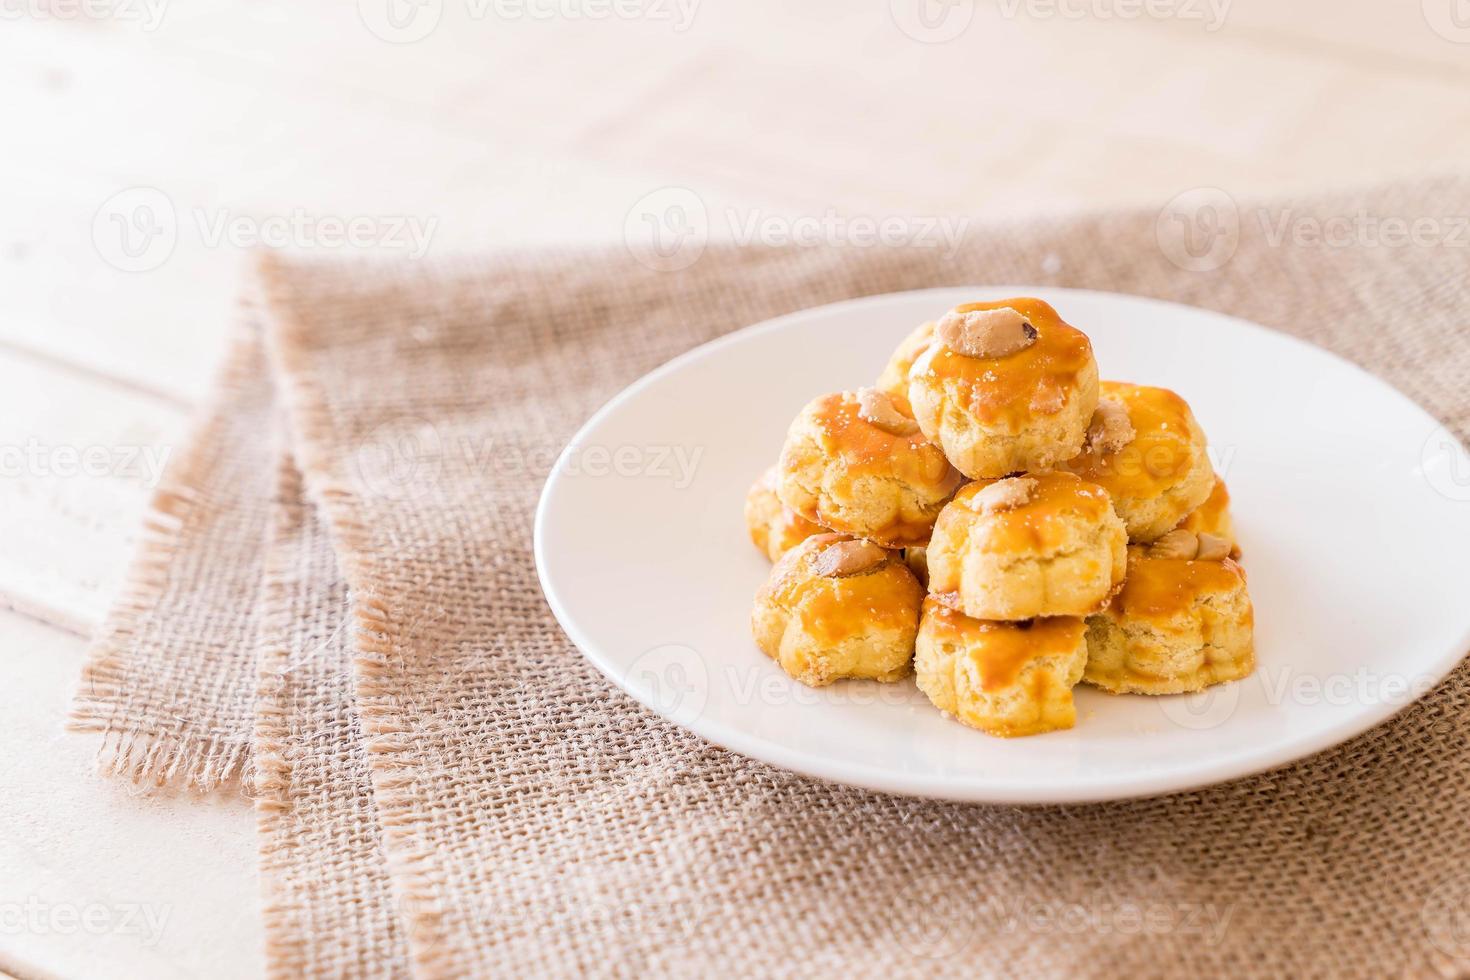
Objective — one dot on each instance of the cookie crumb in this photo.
(1111, 428)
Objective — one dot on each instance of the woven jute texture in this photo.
(328, 905)
(446, 787)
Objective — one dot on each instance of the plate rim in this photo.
(1113, 788)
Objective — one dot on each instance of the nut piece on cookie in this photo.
(1004, 387)
(855, 464)
(1111, 427)
(1178, 625)
(894, 381)
(998, 332)
(774, 528)
(1213, 517)
(1003, 678)
(1145, 448)
(1048, 544)
(838, 607)
(1183, 544)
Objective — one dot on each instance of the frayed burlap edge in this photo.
(128, 750)
(271, 776)
(411, 866)
(327, 901)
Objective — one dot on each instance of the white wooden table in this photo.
(225, 119)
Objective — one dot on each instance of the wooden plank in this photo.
(1419, 39)
(948, 127)
(99, 880)
(688, 109)
(517, 132)
(115, 114)
(746, 110)
(78, 460)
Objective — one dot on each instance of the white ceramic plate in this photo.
(1352, 506)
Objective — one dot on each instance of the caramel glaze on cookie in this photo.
(894, 381)
(1162, 473)
(1158, 456)
(1158, 589)
(866, 449)
(1012, 389)
(838, 607)
(1058, 549)
(1001, 649)
(885, 599)
(1213, 517)
(774, 528)
(1179, 625)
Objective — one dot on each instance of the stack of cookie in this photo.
(992, 516)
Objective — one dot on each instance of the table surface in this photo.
(512, 123)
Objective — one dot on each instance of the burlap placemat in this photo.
(446, 786)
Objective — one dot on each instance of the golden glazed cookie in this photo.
(774, 528)
(855, 464)
(894, 381)
(838, 607)
(1178, 625)
(1213, 517)
(1145, 448)
(1047, 544)
(1004, 387)
(1003, 678)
